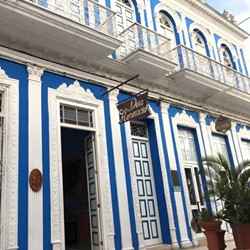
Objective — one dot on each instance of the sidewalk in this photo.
(230, 246)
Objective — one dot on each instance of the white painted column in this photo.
(120, 173)
(149, 14)
(185, 241)
(185, 31)
(236, 142)
(204, 133)
(35, 206)
(169, 142)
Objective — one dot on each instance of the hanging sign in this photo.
(222, 124)
(134, 108)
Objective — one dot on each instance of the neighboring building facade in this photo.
(107, 185)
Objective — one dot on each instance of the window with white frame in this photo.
(125, 14)
(226, 57)
(199, 44)
(220, 146)
(191, 169)
(76, 116)
(187, 145)
(167, 29)
(246, 149)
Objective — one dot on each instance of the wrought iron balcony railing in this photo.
(138, 37)
(86, 12)
(189, 59)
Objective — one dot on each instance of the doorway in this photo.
(81, 222)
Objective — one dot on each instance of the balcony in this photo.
(65, 30)
(205, 79)
(146, 51)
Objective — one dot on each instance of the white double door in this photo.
(144, 178)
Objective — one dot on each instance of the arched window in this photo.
(226, 60)
(125, 14)
(198, 43)
(167, 29)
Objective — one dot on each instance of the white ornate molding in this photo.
(134, 187)
(113, 94)
(164, 107)
(202, 117)
(35, 72)
(244, 133)
(184, 119)
(77, 96)
(164, 7)
(35, 199)
(9, 208)
(202, 29)
(230, 47)
(75, 89)
(141, 5)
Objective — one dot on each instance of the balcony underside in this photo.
(198, 87)
(148, 65)
(35, 30)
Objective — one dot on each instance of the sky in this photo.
(241, 10)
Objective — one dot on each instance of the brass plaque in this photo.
(35, 179)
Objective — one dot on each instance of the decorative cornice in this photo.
(113, 95)
(202, 117)
(141, 5)
(184, 118)
(75, 89)
(229, 45)
(203, 30)
(172, 12)
(35, 73)
(217, 18)
(244, 133)
(164, 107)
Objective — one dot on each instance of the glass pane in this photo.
(190, 185)
(199, 186)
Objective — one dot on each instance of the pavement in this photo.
(230, 246)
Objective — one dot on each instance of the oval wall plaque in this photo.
(36, 179)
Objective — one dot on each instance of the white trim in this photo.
(122, 195)
(10, 194)
(35, 199)
(172, 13)
(187, 121)
(243, 133)
(229, 137)
(77, 96)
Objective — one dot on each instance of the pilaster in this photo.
(120, 172)
(236, 142)
(169, 146)
(35, 206)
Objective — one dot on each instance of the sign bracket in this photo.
(116, 87)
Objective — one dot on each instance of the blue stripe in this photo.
(112, 173)
(46, 166)
(129, 188)
(19, 72)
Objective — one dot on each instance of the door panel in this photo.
(146, 193)
(93, 192)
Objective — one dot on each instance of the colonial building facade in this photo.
(71, 175)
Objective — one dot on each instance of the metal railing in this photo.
(187, 58)
(86, 12)
(137, 37)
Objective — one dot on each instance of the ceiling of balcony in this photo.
(210, 92)
(29, 28)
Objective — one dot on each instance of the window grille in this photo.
(138, 129)
(2, 170)
(76, 116)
